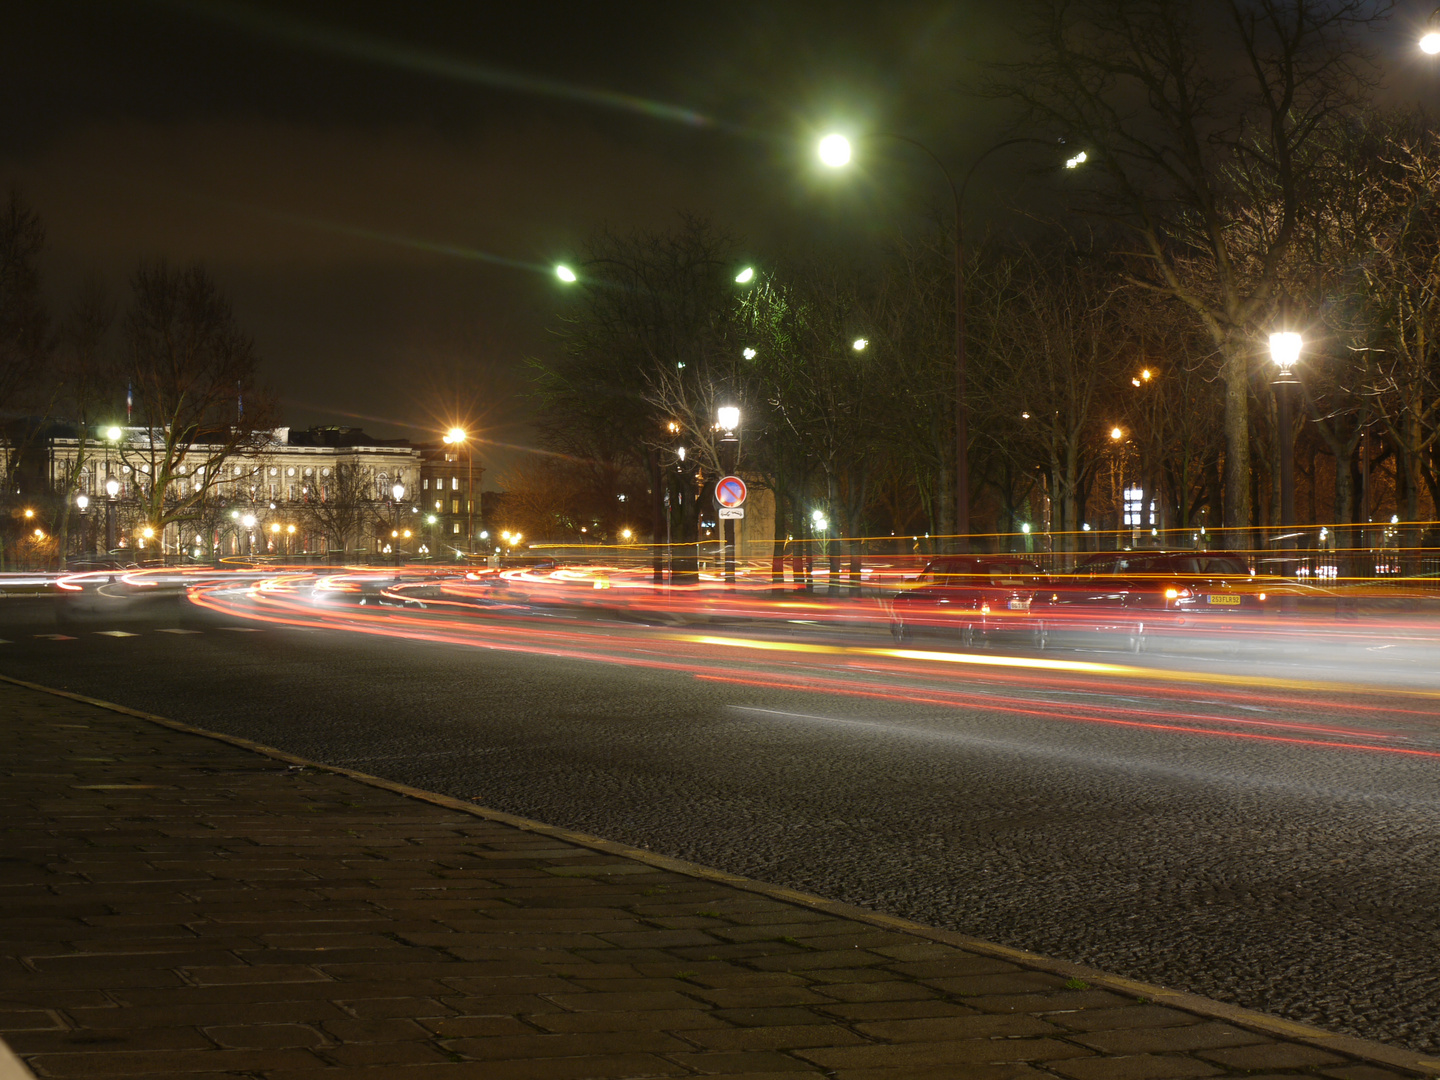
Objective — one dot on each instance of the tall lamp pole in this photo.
(459, 437)
(835, 152)
(729, 418)
(1285, 351)
(112, 489)
(398, 491)
(82, 501)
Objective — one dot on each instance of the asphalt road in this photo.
(1227, 840)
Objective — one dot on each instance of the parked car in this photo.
(1125, 598)
(967, 598)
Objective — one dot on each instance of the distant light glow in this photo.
(859, 344)
(1076, 161)
(835, 151)
(1116, 434)
(1430, 43)
(113, 433)
(748, 353)
(744, 277)
(729, 417)
(565, 274)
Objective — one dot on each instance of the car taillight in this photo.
(985, 608)
(1178, 594)
(1262, 596)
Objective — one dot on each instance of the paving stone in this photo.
(969, 1052)
(776, 1037)
(1270, 1055)
(1135, 1067)
(1161, 1039)
(264, 1036)
(1130, 1016)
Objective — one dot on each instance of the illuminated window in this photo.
(454, 483)
(454, 506)
(456, 527)
(425, 484)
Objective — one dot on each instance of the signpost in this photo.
(730, 495)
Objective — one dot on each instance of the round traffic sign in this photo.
(730, 491)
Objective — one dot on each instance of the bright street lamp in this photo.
(82, 501)
(744, 277)
(835, 151)
(729, 417)
(565, 274)
(1430, 43)
(859, 344)
(1116, 434)
(113, 434)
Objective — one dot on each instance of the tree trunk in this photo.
(1236, 372)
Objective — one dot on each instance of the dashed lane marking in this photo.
(114, 633)
(241, 629)
(56, 637)
(177, 631)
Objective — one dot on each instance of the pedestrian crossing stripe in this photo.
(114, 633)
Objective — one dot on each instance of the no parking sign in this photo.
(730, 491)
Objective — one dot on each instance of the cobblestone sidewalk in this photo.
(174, 905)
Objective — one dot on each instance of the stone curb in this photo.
(1263, 1023)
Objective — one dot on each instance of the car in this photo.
(1126, 598)
(967, 598)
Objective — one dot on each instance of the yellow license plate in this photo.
(1227, 598)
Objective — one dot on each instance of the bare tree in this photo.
(343, 507)
(24, 327)
(192, 373)
(85, 379)
(1201, 117)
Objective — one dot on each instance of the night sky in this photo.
(382, 188)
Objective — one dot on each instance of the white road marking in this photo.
(242, 629)
(114, 633)
(56, 637)
(177, 631)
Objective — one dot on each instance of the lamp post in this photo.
(459, 437)
(729, 418)
(835, 152)
(397, 490)
(112, 488)
(82, 503)
(1285, 351)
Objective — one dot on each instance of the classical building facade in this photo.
(296, 491)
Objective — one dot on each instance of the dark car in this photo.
(1125, 598)
(967, 597)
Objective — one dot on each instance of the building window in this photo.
(454, 506)
(455, 527)
(454, 483)
(425, 484)
(439, 504)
